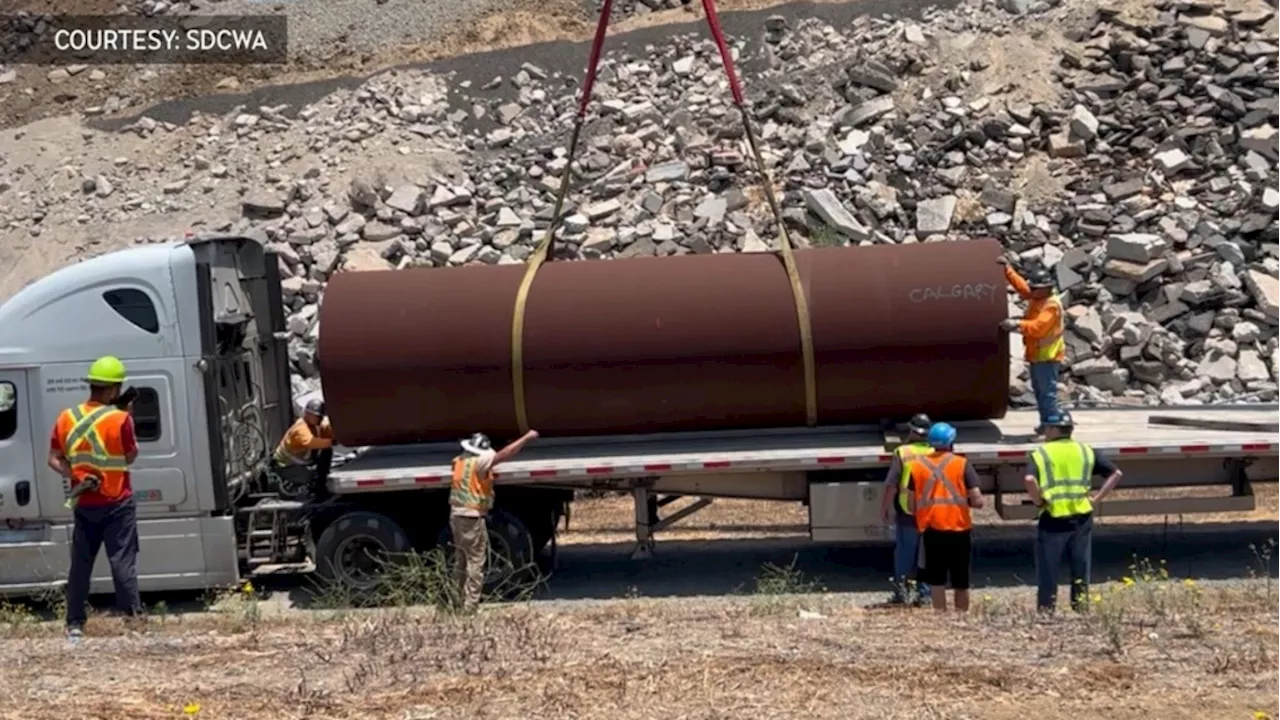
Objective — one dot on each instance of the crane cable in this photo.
(543, 252)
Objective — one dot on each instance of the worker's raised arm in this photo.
(1016, 281)
(1103, 466)
(513, 449)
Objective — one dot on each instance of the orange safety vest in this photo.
(93, 445)
(470, 488)
(941, 500)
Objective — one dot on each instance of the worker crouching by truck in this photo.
(895, 508)
(305, 453)
(470, 499)
(92, 446)
(1041, 327)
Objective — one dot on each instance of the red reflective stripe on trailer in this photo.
(600, 470)
(1011, 453)
(543, 473)
(716, 464)
(371, 482)
(830, 461)
(657, 467)
(1133, 450)
(884, 458)
(428, 480)
(1194, 448)
(1265, 447)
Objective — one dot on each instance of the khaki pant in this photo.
(470, 551)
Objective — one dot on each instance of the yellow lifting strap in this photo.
(544, 250)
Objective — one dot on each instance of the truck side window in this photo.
(8, 410)
(134, 306)
(146, 415)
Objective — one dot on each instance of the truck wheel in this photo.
(510, 569)
(352, 549)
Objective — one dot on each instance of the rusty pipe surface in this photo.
(690, 342)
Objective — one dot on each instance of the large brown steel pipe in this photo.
(691, 342)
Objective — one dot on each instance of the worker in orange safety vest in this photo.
(944, 486)
(1041, 327)
(91, 448)
(470, 499)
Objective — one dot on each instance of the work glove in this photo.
(1009, 324)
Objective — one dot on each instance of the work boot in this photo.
(75, 634)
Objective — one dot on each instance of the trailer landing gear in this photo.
(648, 522)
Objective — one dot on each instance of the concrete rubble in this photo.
(1160, 140)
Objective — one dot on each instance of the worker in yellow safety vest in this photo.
(470, 499)
(894, 509)
(1041, 327)
(1059, 480)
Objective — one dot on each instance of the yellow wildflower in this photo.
(191, 709)
(1189, 582)
(1127, 580)
(247, 588)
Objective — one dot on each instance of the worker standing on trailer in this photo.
(944, 486)
(303, 456)
(92, 446)
(1059, 480)
(895, 507)
(1042, 333)
(470, 499)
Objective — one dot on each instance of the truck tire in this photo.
(511, 569)
(350, 550)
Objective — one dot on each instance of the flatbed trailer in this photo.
(838, 471)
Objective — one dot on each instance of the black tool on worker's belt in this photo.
(129, 395)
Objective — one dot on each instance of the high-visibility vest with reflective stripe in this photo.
(93, 446)
(941, 499)
(284, 457)
(907, 453)
(470, 488)
(1052, 346)
(1065, 476)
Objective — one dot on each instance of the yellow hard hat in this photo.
(106, 370)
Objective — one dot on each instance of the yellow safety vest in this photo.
(1065, 475)
(1049, 347)
(907, 453)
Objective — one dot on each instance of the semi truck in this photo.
(200, 325)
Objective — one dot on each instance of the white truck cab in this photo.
(195, 324)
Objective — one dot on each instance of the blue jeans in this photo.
(906, 560)
(1076, 545)
(1044, 383)
(115, 526)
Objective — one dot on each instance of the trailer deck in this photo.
(1007, 441)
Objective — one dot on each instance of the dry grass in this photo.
(1150, 646)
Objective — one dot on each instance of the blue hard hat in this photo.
(941, 435)
(1060, 419)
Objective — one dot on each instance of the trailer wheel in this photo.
(352, 548)
(511, 568)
